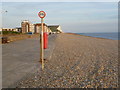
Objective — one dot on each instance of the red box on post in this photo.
(45, 38)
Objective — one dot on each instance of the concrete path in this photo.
(21, 58)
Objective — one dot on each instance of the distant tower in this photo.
(25, 26)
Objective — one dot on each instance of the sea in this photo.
(111, 35)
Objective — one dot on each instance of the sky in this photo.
(77, 17)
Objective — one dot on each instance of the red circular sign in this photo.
(41, 14)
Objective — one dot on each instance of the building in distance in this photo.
(28, 27)
(55, 28)
(36, 28)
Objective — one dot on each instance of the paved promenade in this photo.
(20, 59)
(78, 62)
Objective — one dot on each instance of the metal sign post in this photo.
(41, 14)
(41, 44)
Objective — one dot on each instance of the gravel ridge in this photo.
(78, 62)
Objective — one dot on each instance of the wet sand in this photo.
(78, 62)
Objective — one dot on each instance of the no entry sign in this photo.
(41, 14)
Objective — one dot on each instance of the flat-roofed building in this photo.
(25, 26)
(19, 29)
(9, 29)
(38, 27)
(32, 27)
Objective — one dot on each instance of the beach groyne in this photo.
(78, 62)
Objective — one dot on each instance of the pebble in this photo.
(89, 65)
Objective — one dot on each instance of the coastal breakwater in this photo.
(78, 62)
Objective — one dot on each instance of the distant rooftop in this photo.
(53, 25)
(39, 24)
(25, 21)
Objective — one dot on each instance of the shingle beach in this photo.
(78, 62)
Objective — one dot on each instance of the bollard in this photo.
(45, 35)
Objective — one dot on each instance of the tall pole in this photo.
(41, 45)
(42, 14)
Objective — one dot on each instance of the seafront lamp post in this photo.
(41, 14)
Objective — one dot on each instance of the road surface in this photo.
(21, 59)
